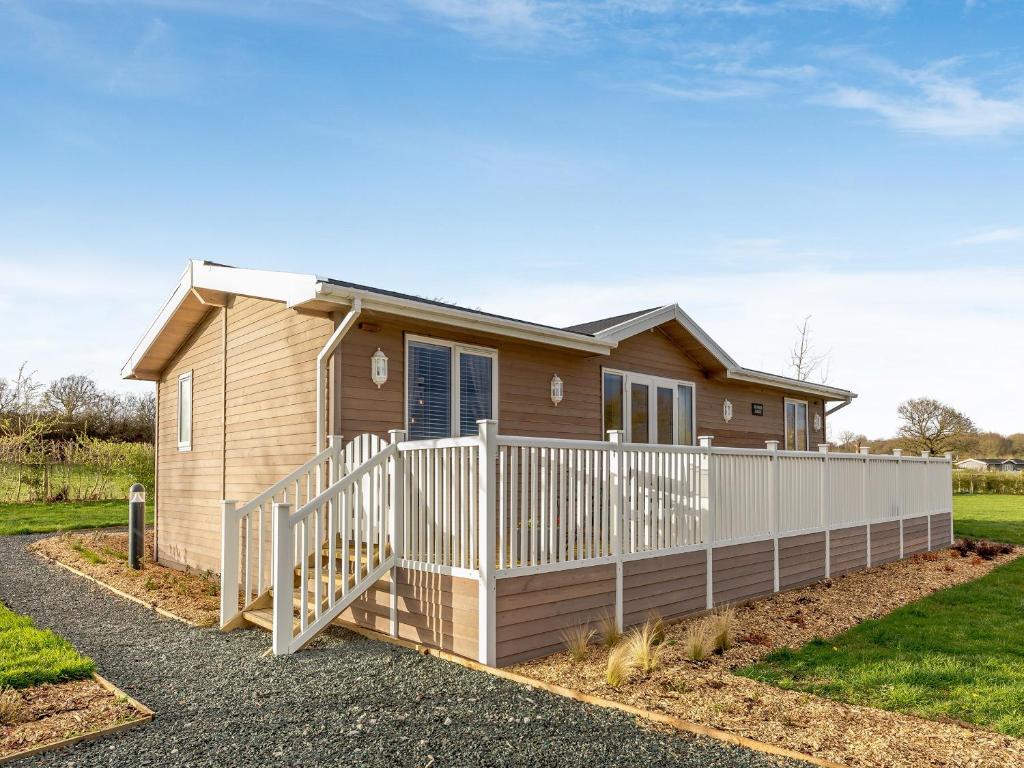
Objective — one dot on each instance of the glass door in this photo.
(649, 409)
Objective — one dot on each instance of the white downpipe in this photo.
(321, 369)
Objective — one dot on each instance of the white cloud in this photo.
(992, 236)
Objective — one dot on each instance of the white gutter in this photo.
(321, 369)
(839, 407)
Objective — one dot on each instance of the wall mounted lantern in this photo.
(817, 422)
(556, 390)
(727, 411)
(379, 368)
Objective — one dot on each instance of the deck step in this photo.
(261, 617)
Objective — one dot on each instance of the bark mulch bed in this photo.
(708, 694)
(53, 712)
(191, 595)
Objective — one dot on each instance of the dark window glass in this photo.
(476, 384)
(612, 402)
(665, 398)
(685, 415)
(639, 417)
(430, 392)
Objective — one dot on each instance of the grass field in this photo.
(68, 516)
(999, 518)
(955, 654)
(30, 656)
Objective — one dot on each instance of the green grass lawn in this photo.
(30, 656)
(39, 517)
(994, 517)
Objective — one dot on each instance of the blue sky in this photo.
(858, 161)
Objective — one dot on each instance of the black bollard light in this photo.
(136, 525)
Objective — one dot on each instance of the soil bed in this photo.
(192, 595)
(707, 693)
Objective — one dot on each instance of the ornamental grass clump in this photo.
(720, 628)
(697, 641)
(577, 640)
(609, 631)
(11, 706)
(620, 664)
(644, 647)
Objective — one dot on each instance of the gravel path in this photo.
(345, 700)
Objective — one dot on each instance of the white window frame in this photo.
(185, 445)
(807, 423)
(652, 383)
(457, 348)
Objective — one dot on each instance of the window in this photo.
(649, 409)
(448, 388)
(796, 425)
(185, 412)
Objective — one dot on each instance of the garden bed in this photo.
(190, 595)
(709, 694)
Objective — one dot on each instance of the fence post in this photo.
(396, 490)
(487, 474)
(826, 507)
(709, 529)
(865, 509)
(229, 544)
(616, 513)
(898, 452)
(284, 580)
(926, 495)
(774, 508)
(949, 489)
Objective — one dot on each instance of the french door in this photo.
(649, 409)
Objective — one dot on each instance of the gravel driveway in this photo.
(344, 701)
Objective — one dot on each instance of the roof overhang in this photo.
(671, 313)
(823, 391)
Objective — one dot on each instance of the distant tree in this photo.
(850, 442)
(929, 425)
(993, 445)
(1017, 444)
(71, 397)
(805, 361)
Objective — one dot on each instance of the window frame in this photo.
(785, 423)
(456, 349)
(653, 383)
(185, 445)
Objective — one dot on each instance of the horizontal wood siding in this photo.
(801, 559)
(915, 535)
(190, 482)
(743, 571)
(885, 542)
(532, 610)
(434, 610)
(849, 549)
(524, 376)
(670, 586)
(942, 530)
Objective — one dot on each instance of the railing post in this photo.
(898, 452)
(709, 528)
(865, 509)
(487, 551)
(229, 544)
(774, 507)
(284, 585)
(397, 492)
(616, 512)
(826, 507)
(949, 489)
(926, 496)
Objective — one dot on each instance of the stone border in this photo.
(145, 716)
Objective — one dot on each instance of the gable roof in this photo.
(206, 284)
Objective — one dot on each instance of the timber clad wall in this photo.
(532, 610)
(849, 549)
(524, 380)
(670, 586)
(915, 535)
(742, 571)
(885, 542)
(942, 530)
(801, 560)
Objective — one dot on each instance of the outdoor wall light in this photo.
(379, 368)
(556, 389)
(727, 411)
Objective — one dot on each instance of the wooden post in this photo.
(865, 509)
(898, 452)
(229, 544)
(709, 528)
(826, 516)
(487, 473)
(774, 508)
(617, 513)
(284, 585)
(925, 497)
(397, 492)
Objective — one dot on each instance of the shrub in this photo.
(696, 641)
(720, 628)
(968, 482)
(11, 706)
(620, 664)
(645, 650)
(577, 640)
(610, 634)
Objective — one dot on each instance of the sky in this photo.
(857, 161)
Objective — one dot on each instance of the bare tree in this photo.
(850, 442)
(71, 397)
(804, 360)
(929, 425)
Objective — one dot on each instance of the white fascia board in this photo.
(178, 295)
(293, 288)
(782, 382)
(465, 319)
(665, 314)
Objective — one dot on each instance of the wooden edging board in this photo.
(657, 717)
(166, 614)
(145, 716)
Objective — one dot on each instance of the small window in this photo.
(796, 425)
(476, 379)
(613, 406)
(686, 419)
(185, 412)
(449, 388)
